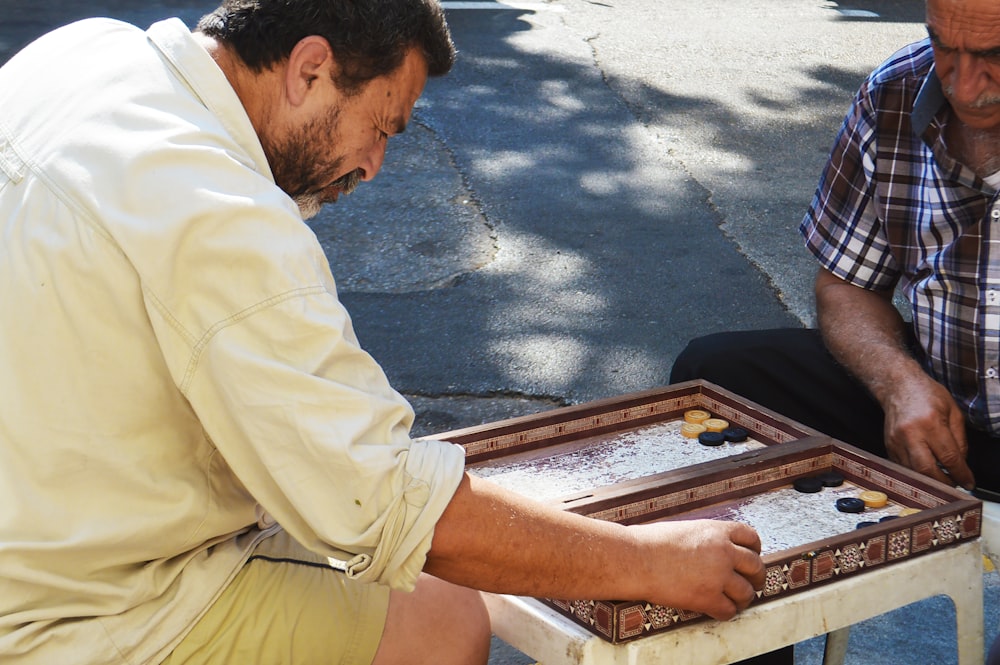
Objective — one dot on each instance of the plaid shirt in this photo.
(893, 207)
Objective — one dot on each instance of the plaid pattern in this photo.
(892, 207)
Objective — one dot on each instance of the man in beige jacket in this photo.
(179, 377)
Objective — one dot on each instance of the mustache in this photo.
(984, 101)
(348, 182)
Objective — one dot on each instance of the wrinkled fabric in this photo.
(178, 374)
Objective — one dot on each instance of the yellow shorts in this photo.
(287, 606)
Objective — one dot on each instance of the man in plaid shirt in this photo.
(908, 202)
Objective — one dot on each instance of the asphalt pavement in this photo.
(595, 183)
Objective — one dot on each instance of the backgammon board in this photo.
(624, 460)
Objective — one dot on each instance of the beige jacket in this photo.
(174, 361)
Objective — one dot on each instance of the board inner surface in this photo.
(571, 469)
(786, 518)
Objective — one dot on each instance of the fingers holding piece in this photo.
(922, 459)
(741, 591)
(715, 566)
(940, 457)
(739, 587)
(724, 609)
(952, 452)
(750, 567)
(925, 431)
(745, 536)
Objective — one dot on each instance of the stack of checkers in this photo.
(699, 424)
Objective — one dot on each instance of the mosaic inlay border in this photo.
(586, 424)
(624, 621)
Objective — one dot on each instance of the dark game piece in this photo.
(808, 485)
(850, 504)
(832, 479)
(735, 434)
(711, 438)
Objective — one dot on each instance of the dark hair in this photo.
(369, 38)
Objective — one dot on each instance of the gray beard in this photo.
(309, 205)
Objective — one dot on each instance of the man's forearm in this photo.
(924, 428)
(865, 333)
(494, 540)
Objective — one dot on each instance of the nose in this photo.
(968, 78)
(372, 161)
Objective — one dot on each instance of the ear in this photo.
(309, 60)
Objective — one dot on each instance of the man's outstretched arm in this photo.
(494, 540)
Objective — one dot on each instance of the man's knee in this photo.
(726, 358)
(437, 624)
(717, 356)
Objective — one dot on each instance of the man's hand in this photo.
(705, 566)
(494, 540)
(925, 431)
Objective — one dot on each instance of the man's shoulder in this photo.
(911, 63)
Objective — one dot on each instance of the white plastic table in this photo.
(957, 572)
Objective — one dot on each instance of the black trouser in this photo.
(790, 371)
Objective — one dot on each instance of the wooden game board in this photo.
(568, 452)
(806, 541)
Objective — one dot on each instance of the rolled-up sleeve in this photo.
(842, 227)
(308, 422)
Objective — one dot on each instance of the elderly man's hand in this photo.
(925, 431)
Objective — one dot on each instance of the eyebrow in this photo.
(985, 53)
